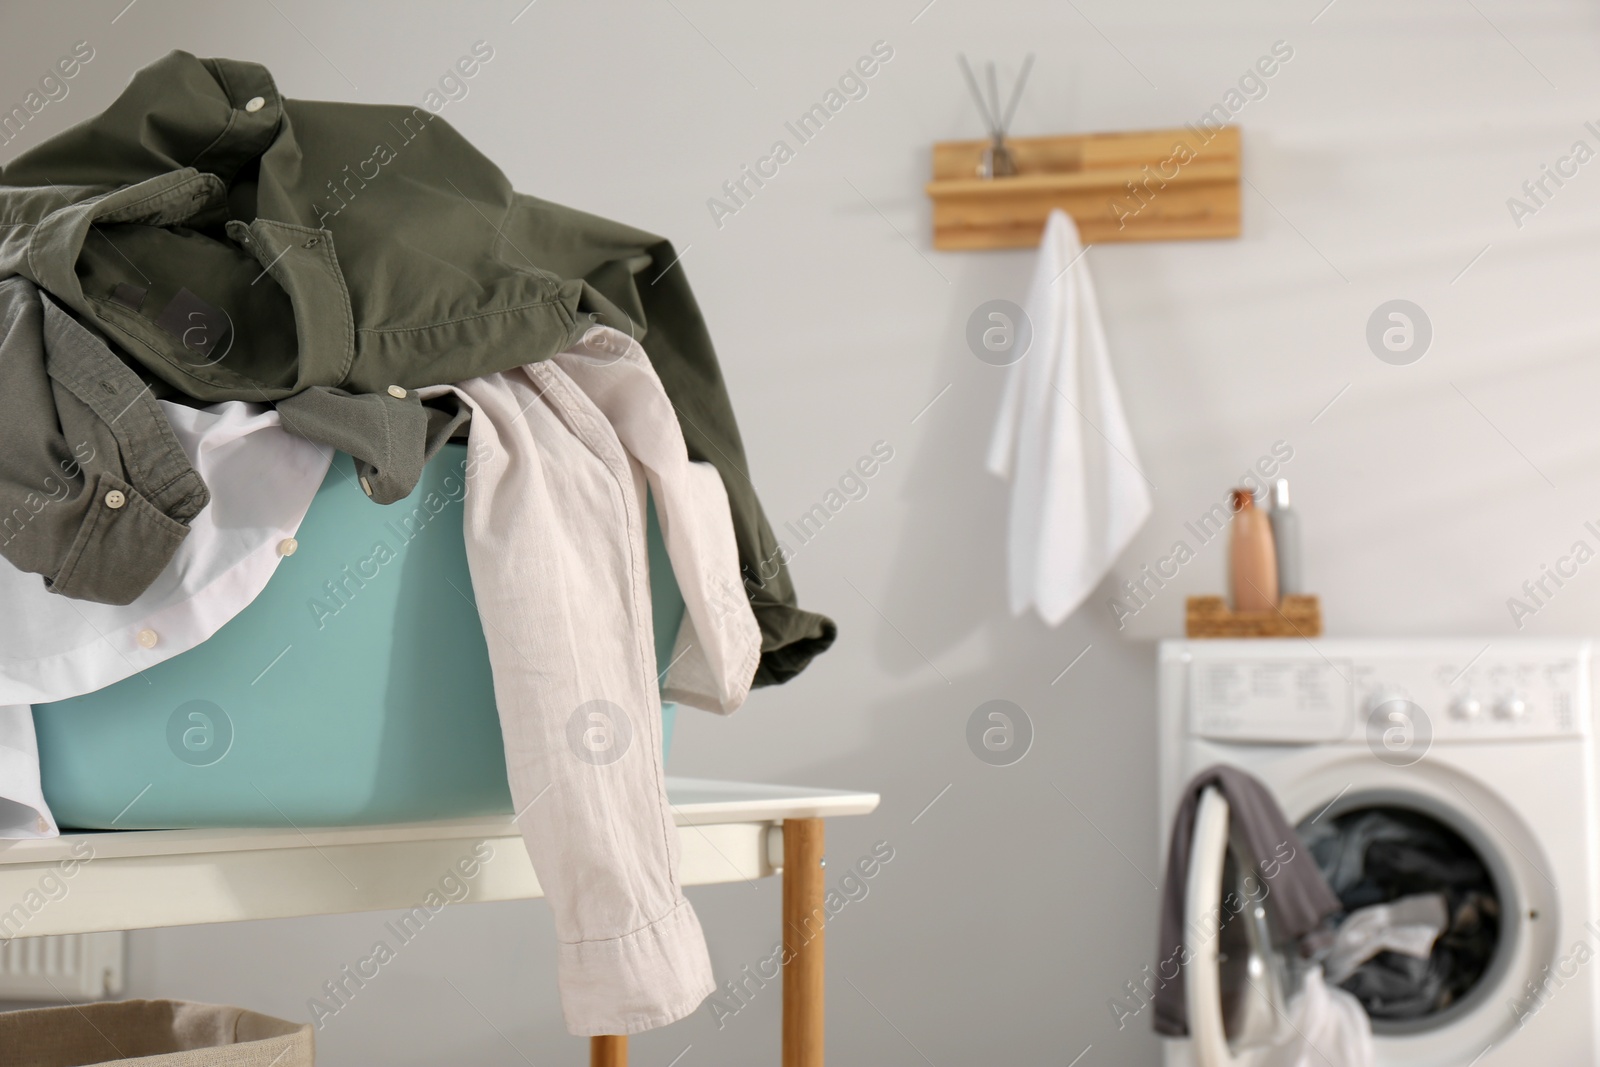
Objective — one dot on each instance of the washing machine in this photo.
(1459, 766)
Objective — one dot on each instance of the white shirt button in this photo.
(44, 827)
(287, 546)
(255, 103)
(147, 638)
(115, 499)
(397, 392)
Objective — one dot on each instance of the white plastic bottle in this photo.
(1286, 539)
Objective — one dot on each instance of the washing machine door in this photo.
(1235, 984)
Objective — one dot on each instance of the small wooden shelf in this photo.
(1156, 185)
(1297, 616)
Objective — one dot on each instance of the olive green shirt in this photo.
(332, 258)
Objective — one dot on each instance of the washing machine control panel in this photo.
(1478, 693)
(1489, 696)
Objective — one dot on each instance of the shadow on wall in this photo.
(949, 572)
(1083, 887)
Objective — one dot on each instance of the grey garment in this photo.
(1341, 846)
(1380, 854)
(96, 493)
(1263, 839)
(1396, 986)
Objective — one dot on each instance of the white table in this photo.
(727, 832)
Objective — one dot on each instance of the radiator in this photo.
(61, 967)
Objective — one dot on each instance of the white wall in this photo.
(1379, 164)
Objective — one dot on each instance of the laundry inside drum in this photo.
(1381, 853)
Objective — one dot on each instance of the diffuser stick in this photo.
(1016, 95)
(977, 97)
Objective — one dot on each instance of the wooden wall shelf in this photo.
(1156, 185)
(1297, 616)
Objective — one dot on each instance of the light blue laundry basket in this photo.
(376, 707)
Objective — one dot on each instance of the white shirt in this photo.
(262, 480)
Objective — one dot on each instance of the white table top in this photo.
(123, 880)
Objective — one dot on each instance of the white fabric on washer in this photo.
(1409, 925)
(1325, 1025)
(262, 480)
(561, 453)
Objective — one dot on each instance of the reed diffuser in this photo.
(997, 161)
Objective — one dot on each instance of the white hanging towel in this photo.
(1078, 494)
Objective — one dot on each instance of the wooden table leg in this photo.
(608, 1051)
(803, 920)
